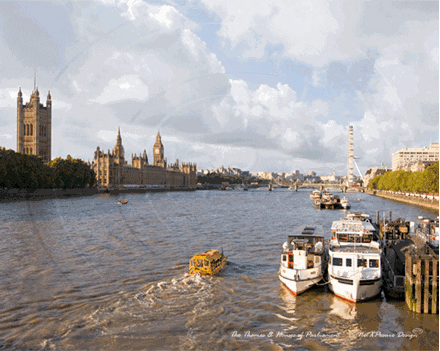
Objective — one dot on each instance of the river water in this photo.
(84, 273)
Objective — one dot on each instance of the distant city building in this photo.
(373, 172)
(113, 171)
(409, 156)
(34, 125)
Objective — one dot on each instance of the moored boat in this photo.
(316, 194)
(303, 259)
(207, 263)
(345, 204)
(354, 269)
(358, 216)
(122, 202)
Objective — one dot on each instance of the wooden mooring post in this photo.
(421, 280)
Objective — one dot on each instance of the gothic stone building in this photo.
(34, 123)
(112, 170)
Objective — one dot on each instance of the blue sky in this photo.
(259, 85)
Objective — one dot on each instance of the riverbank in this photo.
(26, 194)
(430, 202)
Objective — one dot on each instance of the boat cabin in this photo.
(352, 232)
(303, 250)
(207, 263)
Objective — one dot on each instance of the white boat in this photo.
(354, 271)
(358, 216)
(303, 259)
(326, 196)
(345, 204)
(316, 194)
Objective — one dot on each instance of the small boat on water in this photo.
(122, 202)
(316, 194)
(207, 263)
(354, 267)
(303, 259)
(326, 196)
(345, 204)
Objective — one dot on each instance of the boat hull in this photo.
(298, 287)
(291, 278)
(355, 290)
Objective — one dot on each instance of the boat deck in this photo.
(355, 248)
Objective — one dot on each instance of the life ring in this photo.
(197, 275)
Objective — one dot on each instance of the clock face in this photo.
(156, 151)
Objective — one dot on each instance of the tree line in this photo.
(413, 182)
(20, 171)
(216, 178)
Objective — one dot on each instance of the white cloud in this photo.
(146, 67)
(127, 87)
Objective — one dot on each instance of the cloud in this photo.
(145, 66)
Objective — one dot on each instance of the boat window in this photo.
(351, 238)
(342, 238)
(348, 262)
(290, 258)
(366, 238)
(207, 263)
(284, 258)
(191, 263)
(199, 263)
(362, 262)
(337, 261)
(374, 263)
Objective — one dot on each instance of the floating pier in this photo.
(410, 262)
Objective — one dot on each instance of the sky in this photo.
(259, 85)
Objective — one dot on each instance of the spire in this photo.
(48, 95)
(158, 138)
(19, 92)
(119, 139)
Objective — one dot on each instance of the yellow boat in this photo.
(207, 263)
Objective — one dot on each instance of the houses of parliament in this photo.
(112, 170)
(34, 137)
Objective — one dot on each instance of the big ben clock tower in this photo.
(158, 155)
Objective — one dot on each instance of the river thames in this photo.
(84, 273)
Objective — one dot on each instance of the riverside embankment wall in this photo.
(428, 201)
